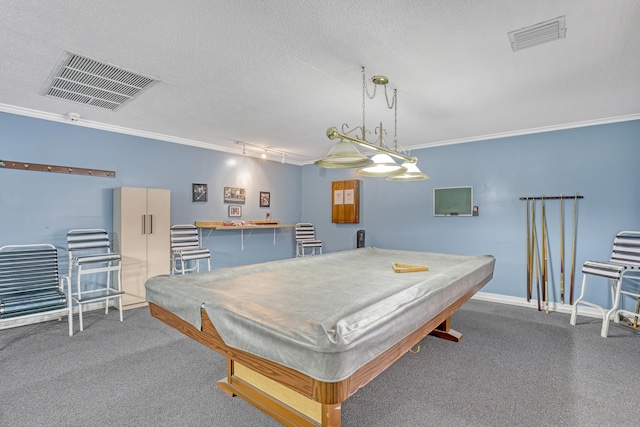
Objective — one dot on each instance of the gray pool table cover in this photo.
(323, 315)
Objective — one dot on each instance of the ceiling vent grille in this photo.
(90, 82)
(534, 35)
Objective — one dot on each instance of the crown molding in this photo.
(64, 118)
(530, 131)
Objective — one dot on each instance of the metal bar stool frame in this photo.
(90, 253)
(185, 247)
(624, 265)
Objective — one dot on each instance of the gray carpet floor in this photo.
(514, 367)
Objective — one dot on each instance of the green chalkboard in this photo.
(453, 201)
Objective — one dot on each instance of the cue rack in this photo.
(538, 253)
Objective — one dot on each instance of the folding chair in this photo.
(90, 254)
(30, 284)
(623, 272)
(185, 247)
(306, 239)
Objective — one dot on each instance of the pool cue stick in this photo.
(635, 319)
(561, 252)
(573, 247)
(528, 254)
(534, 251)
(545, 273)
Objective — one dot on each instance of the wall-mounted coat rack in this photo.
(10, 164)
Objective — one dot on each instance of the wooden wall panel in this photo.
(345, 202)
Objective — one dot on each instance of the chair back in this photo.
(184, 236)
(305, 231)
(185, 247)
(89, 246)
(29, 280)
(626, 249)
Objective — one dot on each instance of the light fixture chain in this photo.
(365, 93)
(364, 89)
(393, 100)
(395, 118)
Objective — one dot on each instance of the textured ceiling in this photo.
(277, 74)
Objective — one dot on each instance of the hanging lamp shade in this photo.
(343, 155)
(412, 174)
(383, 165)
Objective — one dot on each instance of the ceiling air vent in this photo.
(90, 82)
(534, 35)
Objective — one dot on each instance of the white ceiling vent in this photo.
(90, 82)
(534, 35)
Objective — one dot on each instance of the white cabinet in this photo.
(141, 223)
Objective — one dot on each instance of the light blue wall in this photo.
(40, 207)
(598, 162)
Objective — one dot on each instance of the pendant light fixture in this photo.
(344, 154)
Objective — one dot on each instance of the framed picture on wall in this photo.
(235, 211)
(234, 194)
(265, 199)
(199, 192)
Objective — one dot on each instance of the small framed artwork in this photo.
(234, 194)
(199, 192)
(265, 199)
(235, 211)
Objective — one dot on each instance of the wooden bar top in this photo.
(242, 225)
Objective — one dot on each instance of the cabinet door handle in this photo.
(150, 224)
(144, 224)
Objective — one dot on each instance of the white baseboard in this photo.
(522, 302)
(45, 317)
(13, 322)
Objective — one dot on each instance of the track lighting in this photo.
(264, 151)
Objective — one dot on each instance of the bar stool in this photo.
(185, 247)
(90, 254)
(306, 239)
(623, 267)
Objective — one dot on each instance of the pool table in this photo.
(302, 335)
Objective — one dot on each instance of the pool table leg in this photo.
(331, 415)
(444, 331)
(260, 394)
